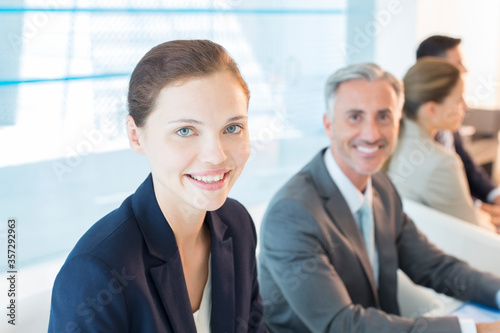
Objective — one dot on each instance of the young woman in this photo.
(178, 255)
(422, 169)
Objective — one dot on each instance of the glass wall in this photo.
(64, 70)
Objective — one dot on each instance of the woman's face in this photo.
(197, 142)
(451, 111)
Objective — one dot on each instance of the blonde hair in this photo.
(431, 79)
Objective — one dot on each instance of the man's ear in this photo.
(134, 133)
(328, 124)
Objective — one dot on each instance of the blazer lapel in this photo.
(223, 285)
(337, 208)
(168, 277)
(384, 240)
(172, 289)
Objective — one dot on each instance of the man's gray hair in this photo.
(361, 71)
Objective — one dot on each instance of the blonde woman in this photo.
(422, 169)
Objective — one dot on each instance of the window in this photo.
(65, 160)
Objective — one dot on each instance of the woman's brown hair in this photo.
(171, 63)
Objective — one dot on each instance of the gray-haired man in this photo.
(334, 236)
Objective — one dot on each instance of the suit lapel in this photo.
(339, 212)
(223, 284)
(383, 237)
(168, 278)
(384, 240)
(172, 289)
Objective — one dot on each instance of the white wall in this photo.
(396, 42)
(476, 22)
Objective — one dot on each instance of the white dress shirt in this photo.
(202, 315)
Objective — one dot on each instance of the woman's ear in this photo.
(430, 108)
(134, 135)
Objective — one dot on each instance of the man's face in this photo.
(454, 56)
(364, 128)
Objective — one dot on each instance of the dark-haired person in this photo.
(177, 255)
(443, 47)
(480, 184)
(422, 169)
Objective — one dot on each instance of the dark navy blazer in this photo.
(480, 184)
(125, 274)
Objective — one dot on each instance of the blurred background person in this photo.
(422, 169)
(481, 186)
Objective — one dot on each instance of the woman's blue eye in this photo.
(233, 129)
(184, 131)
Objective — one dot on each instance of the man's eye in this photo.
(385, 117)
(233, 129)
(184, 131)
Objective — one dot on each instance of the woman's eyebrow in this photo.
(237, 118)
(189, 121)
(197, 122)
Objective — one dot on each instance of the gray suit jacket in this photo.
(315, 274)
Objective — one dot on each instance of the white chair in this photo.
(478, 247)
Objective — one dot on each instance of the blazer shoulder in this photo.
(298, 201)
(416, 160)
(117, 228)
(300, 188)
(386, 189)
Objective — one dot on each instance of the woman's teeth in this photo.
(208, 179)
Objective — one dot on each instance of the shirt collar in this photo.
(351, 194)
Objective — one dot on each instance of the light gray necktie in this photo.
(365, 219)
